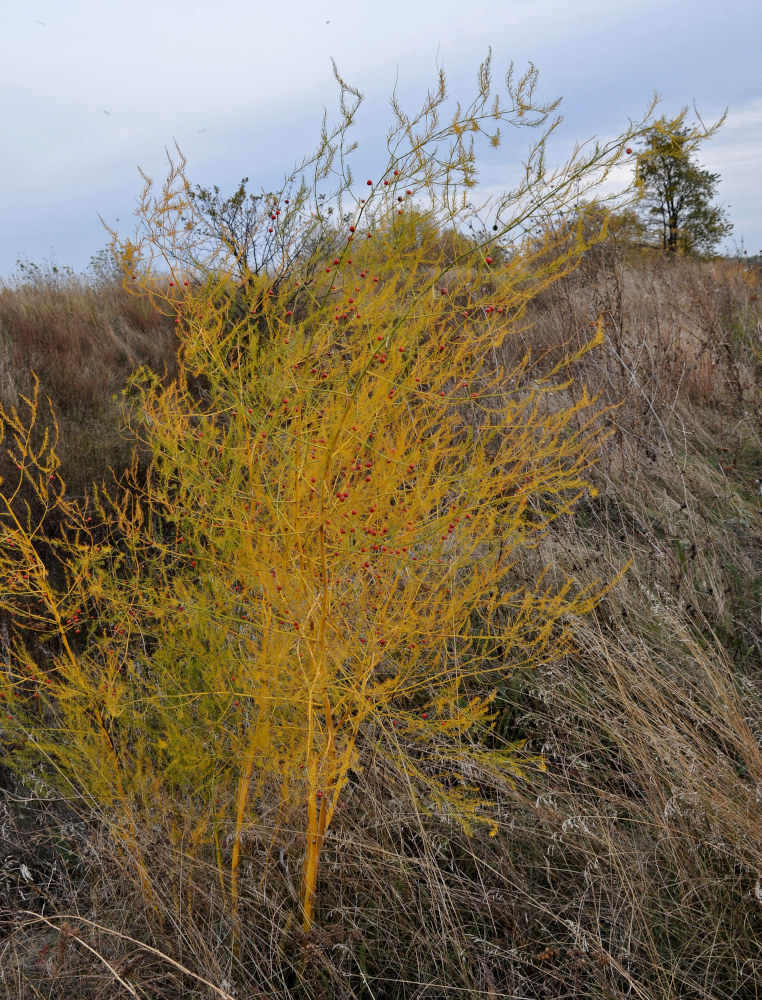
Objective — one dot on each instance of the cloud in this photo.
(745, 116)
(258, 78)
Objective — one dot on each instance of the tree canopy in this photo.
(676, 193)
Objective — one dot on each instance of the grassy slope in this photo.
(82, 340)
(632, 866)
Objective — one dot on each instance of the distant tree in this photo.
(676, 194)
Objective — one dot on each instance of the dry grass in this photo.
(631, 867)
(82, 340)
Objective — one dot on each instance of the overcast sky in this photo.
(91, 90)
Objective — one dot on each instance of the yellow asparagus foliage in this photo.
(318, 558)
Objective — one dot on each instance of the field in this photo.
(629, 866)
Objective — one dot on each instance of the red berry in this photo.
(628, 150)
(370, 183)
(488, 260)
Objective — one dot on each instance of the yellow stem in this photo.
(244, 784)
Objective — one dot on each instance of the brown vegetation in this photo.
(82, 340)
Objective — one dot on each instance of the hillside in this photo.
(630, 865)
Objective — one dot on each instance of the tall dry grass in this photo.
(81, 339)
(632, 866)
